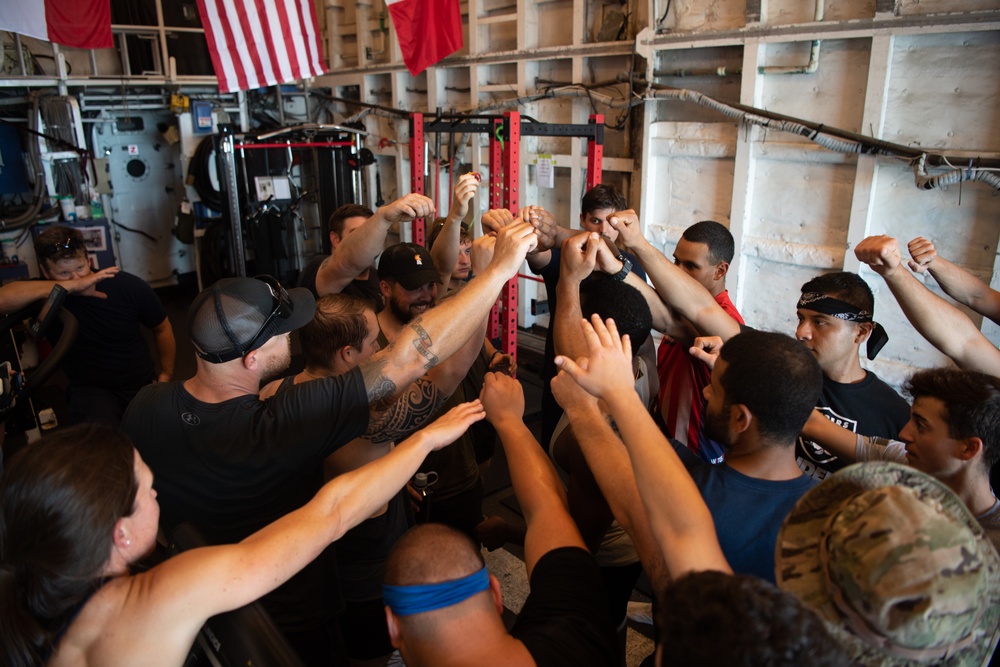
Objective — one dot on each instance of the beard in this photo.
(717, 427)
(405, 314)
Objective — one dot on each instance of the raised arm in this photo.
(684, 295)
(609, 463)
(537, 486)
(680, 520)
(17, 294)
(956, 282)
(422, 399)
(179, 595)
(445, 250)
(358, 250)
(942, 324)
(441, 331)
(578, 259)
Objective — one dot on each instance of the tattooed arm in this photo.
(442, 331)
(421, 399)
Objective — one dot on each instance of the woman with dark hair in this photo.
(78, 509)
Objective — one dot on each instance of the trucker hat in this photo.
(238, 315)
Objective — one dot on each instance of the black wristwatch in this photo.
(626, 268)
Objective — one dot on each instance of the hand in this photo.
(501, 362)
(923, 253)
(570, 395)
(450, 426)
(579, 256)
(545, 226)
(87, 285)
(627, 224)
(706, 349)
(163, 377)
(407, 208)
(607, 368)
(514, 242)
(881, 253)
(496, 219)
(607, 257)
(482, 253)
(465, 190)
(502, 397)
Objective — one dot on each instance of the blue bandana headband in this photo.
(409, 600)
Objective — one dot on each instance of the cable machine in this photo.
(503, 185)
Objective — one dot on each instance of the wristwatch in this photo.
(626, 268)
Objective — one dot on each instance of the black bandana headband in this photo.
(842, 310)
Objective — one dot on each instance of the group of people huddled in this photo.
(720, 464)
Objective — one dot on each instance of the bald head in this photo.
(429, 554)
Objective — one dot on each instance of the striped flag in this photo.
(428, 30)
(84, 24)
(256, 43)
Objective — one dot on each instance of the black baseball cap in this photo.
(238, 315)
(408, 264)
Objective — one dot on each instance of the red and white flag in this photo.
(256, 43)
(84, 24)
(428, 30)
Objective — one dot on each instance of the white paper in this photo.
(544, 172)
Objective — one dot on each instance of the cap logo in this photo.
(419, 262)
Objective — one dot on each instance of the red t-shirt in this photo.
(682, 380)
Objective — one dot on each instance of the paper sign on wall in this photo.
(544, 172)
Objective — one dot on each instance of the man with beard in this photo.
(762, 390)
(409, 281)
(231, 463)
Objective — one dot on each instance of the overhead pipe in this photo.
(813, 63)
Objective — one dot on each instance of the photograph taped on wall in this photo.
(94, 238)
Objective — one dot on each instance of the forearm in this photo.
(567, 335)
(239, 574)
(680, 520)
(445, 250)
(663, 319)
(535, 481)
(450, 373)
(16, 295)
(441, 331)
(352, 256)
(684, 295)
(965, 288)
(539, 492)
(942, 324)
(834, 439)
(609, 463)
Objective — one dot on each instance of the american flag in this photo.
(256, 43)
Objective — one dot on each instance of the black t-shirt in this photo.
(234, 467)
(565, 620)
(869, 407)
(363, 288)
(551, 410)
(110, 351)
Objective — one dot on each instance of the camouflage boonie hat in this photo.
(896, 564)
